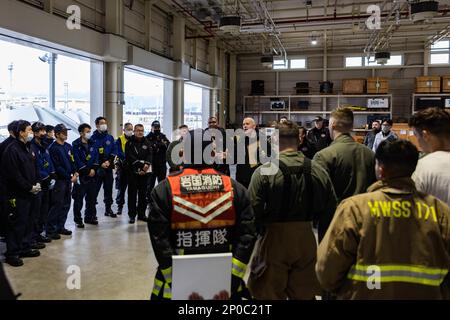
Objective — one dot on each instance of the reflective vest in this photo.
(202, 214)
(123, 142)
(202, 221)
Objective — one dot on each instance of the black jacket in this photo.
(172, 166)
(244, 171)
(3, 147)
(161, 234)
(159, 144)
(224, 167)
(320, 138)
(307, 148)
(19, 169)
(5, 144)
(138, 153)
(6, 292)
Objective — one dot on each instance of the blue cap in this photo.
(60, 128)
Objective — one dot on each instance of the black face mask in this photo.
(157, 131)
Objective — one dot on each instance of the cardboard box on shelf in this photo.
(354, 86)
(446, 84)
(404, 132)
(429, 84)
(377, 85)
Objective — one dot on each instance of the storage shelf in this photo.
(325, 96)
(290, 102)
(431, 94)
(426, 95)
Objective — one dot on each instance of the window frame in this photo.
(365, 62)
(440, 51)
(298, 58)
(288, 64)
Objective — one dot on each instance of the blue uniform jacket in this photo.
(63, 160)
(106, 146)
(43, 160)
(85, 156)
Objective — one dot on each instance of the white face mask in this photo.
(30, 137)
(128, 133)
(103, 127)
(385, 128)
(88, 135)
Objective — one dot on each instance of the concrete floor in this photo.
(116, 261)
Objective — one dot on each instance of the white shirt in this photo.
(379, 138)
(432, 175)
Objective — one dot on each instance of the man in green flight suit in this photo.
(285, 204)
(350, 165)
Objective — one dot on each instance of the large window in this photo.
(280, 64)
(73, 88)
(26, 88)
(440, 52)
(353, 61)
(24, 84)
(293, 63)
(144, 99)
(193, 106)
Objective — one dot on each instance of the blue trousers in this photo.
(60, 206)
(87, 191)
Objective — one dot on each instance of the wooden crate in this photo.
(445, 83)
(377, 85)
(354, 86)
(431, 84)
(403, 131)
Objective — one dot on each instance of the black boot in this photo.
(30, 254)
(37, 246)
(43, 239)
(14, 261)
(143, 218)
(91, 221)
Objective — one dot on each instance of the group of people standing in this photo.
(41, 173)
(385, 211)
(369, 204)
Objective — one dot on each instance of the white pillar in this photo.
(114, 96)
(232, 87)
(179, 47)
(178, 103)
(114, 71)
(426, 60)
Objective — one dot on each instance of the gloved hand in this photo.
(52, 184)
(36, 189)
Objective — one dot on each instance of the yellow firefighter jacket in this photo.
(390, 243)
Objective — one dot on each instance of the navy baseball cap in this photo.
(38, 126)
(318, 119)
(60, 128)
(156, 124)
